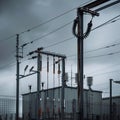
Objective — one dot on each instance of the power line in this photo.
(105, 47)
(7, 65)
(47, 21)
(103, 68)
(107, 22)
(109, 54)
(55, 30)
(98, 74)
(92, 30)
(103, 55)
(75, 55)
(54, 44)
(10, 37)
(73, 37)
(101, 48)
(53, 18)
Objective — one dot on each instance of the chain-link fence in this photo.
(106, 111)
(8, 108)
(52, 110)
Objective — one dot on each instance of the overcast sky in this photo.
(101, 48)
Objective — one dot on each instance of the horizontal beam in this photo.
(118, 82)
(23, 76)
(95, 3)
(52, 54)
(108, 5)
(87, 10)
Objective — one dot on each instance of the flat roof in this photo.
(113, 97)
(60, 87)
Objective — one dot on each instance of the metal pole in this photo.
(17, 77)
(63, 89)
(53, 87)
(110, 114)
(80, 63)
(30, 102)
(38, 85)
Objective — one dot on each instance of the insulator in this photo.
(40, 63)
(66, 76)
(76, 77)
(89, 81)
(31, 68)
(59, 68)
(47, 63)
(26, 68)
(53, 65)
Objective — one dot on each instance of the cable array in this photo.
(57, 43)
(45, 22)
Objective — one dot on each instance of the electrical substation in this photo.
(54, 96)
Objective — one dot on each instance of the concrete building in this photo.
(51, 104)
(115, 108)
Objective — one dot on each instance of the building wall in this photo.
(92, 103)
(106, 108)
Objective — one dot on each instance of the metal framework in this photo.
(80, 38)
(63, 57)
(80, 14)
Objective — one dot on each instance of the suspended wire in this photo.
(105, 47)
(57, 43)
(54, 44)
(98, 74)
(7, 65)
(47, 75)
(53, 18)
(109, 54)
(112, 20)
(103, 55)
(76, 24)
(103, 68)
(10, 37)
(107, 22)
(55, 30)
(47, 21)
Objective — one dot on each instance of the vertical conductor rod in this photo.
(17, 77)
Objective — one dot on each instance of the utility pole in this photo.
(80, 37)
(39, 63)
(80, 63)
(63, 57)
(80, 43)
(30, 102)
(63, 89)
(17, 77)
(110, 114)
